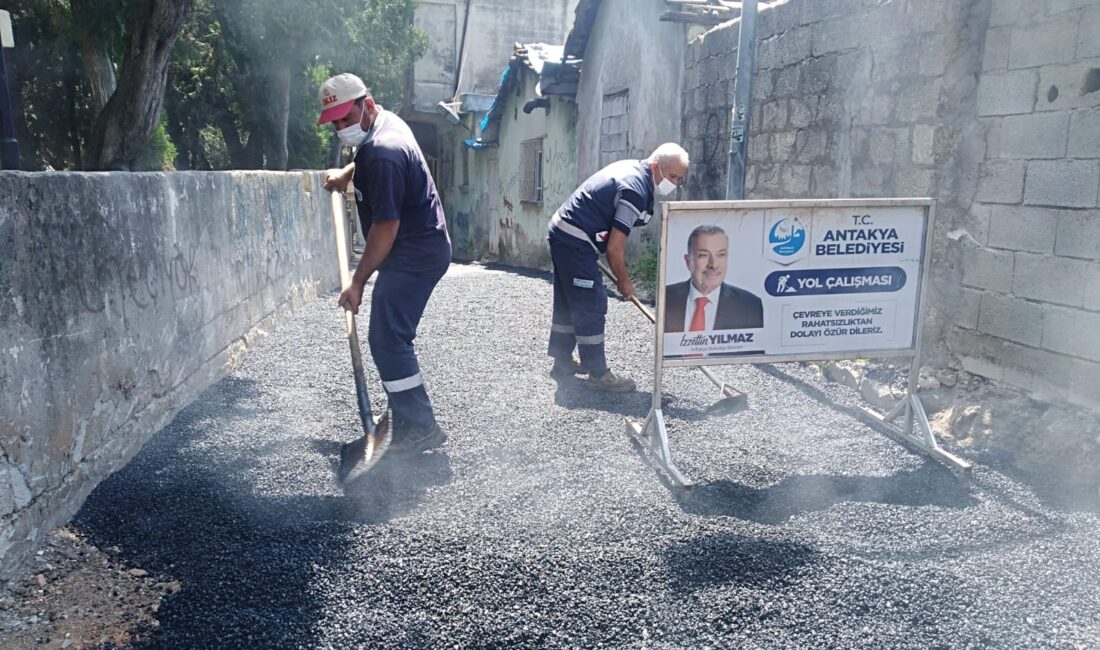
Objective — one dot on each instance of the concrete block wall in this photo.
(1034, 263)
(847, 99)
(988, 106)
(122, 296)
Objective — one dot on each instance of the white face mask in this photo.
(352, 136)
(665, 187)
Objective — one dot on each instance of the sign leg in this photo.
(653, 438)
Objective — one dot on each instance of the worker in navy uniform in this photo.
(596, 219)
(406, 243)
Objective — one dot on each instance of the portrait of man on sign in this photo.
(705, 302)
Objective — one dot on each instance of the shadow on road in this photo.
(809, 390)
(575, 393)
(205, 505)
(1051, 489)
(724, 558)
(393, 487)
(928, 485)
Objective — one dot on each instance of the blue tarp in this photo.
(490, 124)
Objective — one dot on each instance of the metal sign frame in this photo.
(914, 431)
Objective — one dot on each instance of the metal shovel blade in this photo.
(360, 455)
(728, 405)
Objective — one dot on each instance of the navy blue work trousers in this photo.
(397, 303)
(580, 304)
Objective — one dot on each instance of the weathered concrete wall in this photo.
(122, 296)
(1030, 258)
(488, 219)
(629, 94)
(989, 106)
(631, 50)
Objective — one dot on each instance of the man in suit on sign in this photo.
(706, 302)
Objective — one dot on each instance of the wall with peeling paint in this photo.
(122, 296)
(494, 25)
(631, 50)
(487, 218)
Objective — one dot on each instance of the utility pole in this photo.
(9, 148)
(742, 102)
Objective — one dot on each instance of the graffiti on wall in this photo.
(101, 268)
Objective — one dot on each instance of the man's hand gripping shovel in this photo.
(358, 456)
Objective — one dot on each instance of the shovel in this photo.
(358, 456)
(732, 400)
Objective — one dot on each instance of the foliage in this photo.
(160, 155)
(250, 70)
(644, 269)
(45, 79)
(242, 83)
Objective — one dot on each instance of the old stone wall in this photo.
(988, 106)
(122, 296)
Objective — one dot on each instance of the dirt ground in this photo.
(1050, 442)
(75, 595)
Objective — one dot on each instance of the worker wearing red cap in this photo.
(406, 243)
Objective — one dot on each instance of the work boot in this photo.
(566, 368)
(414, 442)
(610, 383)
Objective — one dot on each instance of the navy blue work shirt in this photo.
(392, 182)
(592, 207)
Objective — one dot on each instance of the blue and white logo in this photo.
(785, 238)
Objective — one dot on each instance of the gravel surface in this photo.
(540, 525)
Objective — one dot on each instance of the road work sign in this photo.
(755, 281)
(770, 281)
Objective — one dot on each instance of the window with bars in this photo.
(615, 127)
(531, 171)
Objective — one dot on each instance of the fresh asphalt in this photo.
(539, 524)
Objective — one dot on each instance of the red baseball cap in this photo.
(338, 95)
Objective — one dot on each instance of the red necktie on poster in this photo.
(699, 318)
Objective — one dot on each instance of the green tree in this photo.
(237, 79)
(124, 127)
(48, 100)
(63, 78)
(246, 74)
(99, 27)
